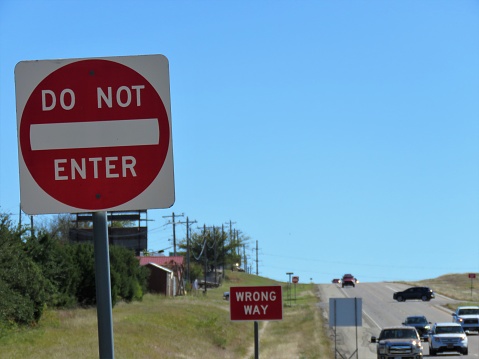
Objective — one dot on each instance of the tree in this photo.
(128, 278)
(58, 227)
(58, 265)
(214, 243)
(44, 269)
(85, 261)
(22, 285)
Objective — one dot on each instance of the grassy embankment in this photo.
(181, 327)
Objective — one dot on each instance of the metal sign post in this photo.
(103, 286)
(256, 340)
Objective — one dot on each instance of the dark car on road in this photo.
(420, 323)
(422, 293)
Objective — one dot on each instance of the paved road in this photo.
(380, 310)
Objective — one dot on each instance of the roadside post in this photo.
(295, 281)
(94, 135)
(472, 276)
(289, 286)
(256, 303)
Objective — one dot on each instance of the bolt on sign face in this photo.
(94, 134)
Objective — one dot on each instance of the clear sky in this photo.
(343, 136)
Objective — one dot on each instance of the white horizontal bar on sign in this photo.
(116, 133)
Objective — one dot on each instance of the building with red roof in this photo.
(166, 274)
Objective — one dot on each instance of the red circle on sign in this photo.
(94, 178)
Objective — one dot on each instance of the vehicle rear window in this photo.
(449, 330)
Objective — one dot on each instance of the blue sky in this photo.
(342, 136)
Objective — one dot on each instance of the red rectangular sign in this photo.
(256, 303)
(472, 275)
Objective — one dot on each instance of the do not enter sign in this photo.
(94, 134)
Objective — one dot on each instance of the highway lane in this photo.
(380, 310)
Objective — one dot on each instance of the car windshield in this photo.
(469, 311)
(398, 334)
(416, 320)
(448, 330)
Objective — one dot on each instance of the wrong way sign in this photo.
(256, 303)
(94, 134)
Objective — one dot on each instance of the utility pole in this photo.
(214, 247)
(245, 261)
(236, 234)
(187, 250)
(206, 249)
(232, 236)
(32, 232)
(223, 250)
(174, 232)
(216, 254)
(235, 252)
(188, 223)
(256, 257)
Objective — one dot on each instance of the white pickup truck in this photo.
(468, 317)
(398, 343)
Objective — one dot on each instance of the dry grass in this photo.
(302, 332)
(181, 327)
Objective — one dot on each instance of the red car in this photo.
(348, 280)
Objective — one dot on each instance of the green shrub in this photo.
(22, 285)
(58, 265)
(127, 277)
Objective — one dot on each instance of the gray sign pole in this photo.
(103, 286)
(256, 340)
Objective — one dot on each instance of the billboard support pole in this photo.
(103, 286)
